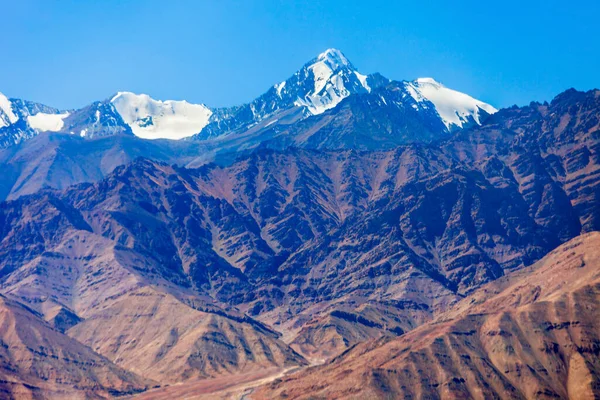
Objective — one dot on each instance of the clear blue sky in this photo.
(69, 53)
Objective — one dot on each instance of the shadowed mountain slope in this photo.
(125, 304)
(531, 334)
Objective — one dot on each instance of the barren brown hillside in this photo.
(39, 362)
(532, 334)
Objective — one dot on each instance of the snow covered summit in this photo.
(155, 119)
(21, 120)
(325, 81)
(7, 116)
(454, 108)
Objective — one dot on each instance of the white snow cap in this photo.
(334, 59)
(47, 122)
(7, 116)
(330, 70)
(453, 107)
(155, 119)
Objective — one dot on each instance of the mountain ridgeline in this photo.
(318, 87)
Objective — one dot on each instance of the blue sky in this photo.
(69, 53)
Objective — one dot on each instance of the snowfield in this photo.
(47, 122)
(453, 107)
(155, 119)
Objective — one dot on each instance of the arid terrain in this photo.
(361, 244)
(531, 334)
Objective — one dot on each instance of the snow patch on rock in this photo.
(47, 122)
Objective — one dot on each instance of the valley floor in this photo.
(224, 387)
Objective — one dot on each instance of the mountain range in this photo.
(317, 87)
(391, 231)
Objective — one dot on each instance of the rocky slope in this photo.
(39, 362)
(531, 334)
(160, 337)
(125, 305)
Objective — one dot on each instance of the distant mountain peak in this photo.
(325, 81)
(316, 87)
(155, 119)
(21, 120)
(428, 81)
(456, 109)
(334, 58)
(7, 116)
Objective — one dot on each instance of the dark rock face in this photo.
(64, 319)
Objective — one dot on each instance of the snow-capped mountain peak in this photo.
(7, 116)
(429, 81)
(454, 108)
(334, 59)
(318, 86)
(325, 81)
(156, 119)
(21, 120)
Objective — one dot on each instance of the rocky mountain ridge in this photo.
(531, 334)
